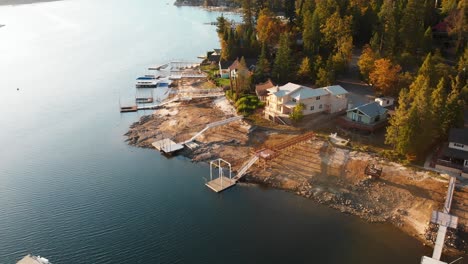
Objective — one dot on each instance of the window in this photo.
(320, 106)
(317, 98)
(294, 100)
(312, 108)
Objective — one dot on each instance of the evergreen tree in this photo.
(427, 40)
(423, 105)
(222, 24)
(311, 33)
(338, 37)
(290, 10)
(325, 74)
(395, 135)
(453, 110)
(412, 25)
(248, 13)
(388, 22)
(283, 65)
(398, 133)
(262, 69)
(427, 69)
(438, 99)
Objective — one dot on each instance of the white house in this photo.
(385, 101)
(454, 154)
(281, 100)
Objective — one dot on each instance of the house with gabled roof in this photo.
(281, 100)
(453, 156)
(261, 89)
(367, 117)
(228, 69)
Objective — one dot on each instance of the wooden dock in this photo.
(126, 109)
(167, 146)
(220, 184)
(144, 100)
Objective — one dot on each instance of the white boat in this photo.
(147, 81)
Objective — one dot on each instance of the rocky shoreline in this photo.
(315, 169)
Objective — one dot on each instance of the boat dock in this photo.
(127, 109)
(158, 67)
(220, 182)
(444, 220)
(167, 146)
(144, 100)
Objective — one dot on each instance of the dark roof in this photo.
(225, 64)
(371, 109)
(459, 135)
(215, 58)
(261, 88)
(455, 153)
(250, 63)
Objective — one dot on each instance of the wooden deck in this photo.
(220, 184)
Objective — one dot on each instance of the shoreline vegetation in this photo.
(316, 169)
(23, 2)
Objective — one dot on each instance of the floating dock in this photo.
(220, 184)
(167, 146)
(126, 109)
(143, 100)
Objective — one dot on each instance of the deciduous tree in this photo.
(385, 76)
(366, 62)
(305, 73)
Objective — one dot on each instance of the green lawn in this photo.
(223, 82)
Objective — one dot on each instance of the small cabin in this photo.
(385, 101)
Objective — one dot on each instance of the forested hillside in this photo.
(414, 50)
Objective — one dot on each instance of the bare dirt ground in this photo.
(315, 169)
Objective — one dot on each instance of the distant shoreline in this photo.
(22, 2)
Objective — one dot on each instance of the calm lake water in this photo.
(73, 191)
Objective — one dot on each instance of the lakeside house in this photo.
(367, 117)
(281, 100)
(453, 156)
(261, 89)
(224, 71)
(228, 69)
